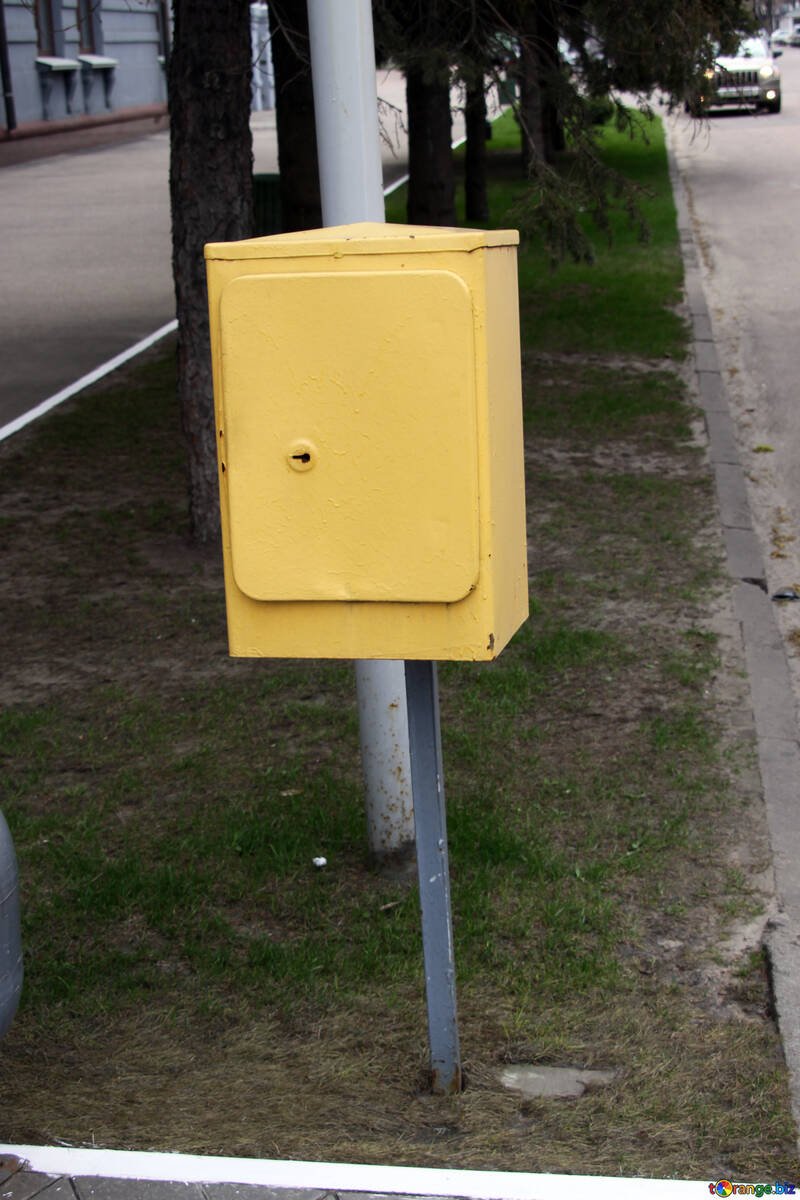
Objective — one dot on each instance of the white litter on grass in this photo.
(320, 861)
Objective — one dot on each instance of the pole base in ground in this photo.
(399, 864)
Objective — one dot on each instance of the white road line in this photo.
(104, 369)
(398, 183)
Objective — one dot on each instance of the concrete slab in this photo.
(783, 947)
(723, 446)
(376, 1196)
(251, 1191)
(712, 394)
(706, 356)
(734, 506)
(779, 762)
(745, 560)
(701, 327)
(553, 1082)
(767, 668)
(753, 607)
(25, 1185)
(98, 1188)
(774, 713)
(695, 294)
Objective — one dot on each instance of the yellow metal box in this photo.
(369, 429)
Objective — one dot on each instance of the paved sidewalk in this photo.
(42, 139)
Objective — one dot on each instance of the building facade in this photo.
(68, 59)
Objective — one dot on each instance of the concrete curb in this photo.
(771, 692)
(102, 1174)
(29, 129)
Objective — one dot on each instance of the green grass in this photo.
(593, 400)
(622, 303)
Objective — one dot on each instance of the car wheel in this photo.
(775, 106)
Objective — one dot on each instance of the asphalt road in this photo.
(86, 253)
(742, 175)
(86, 264)
(87, 256)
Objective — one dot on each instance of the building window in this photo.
(44, 27)
(163, 19)
(49, 28)
(87, 41)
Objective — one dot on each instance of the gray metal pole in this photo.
(427, 781)
(348, 148)
(10, 930)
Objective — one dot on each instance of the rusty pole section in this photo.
(427, 781)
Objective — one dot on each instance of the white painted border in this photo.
(85, 381)
(345, 1177)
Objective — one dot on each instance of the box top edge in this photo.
(363, 237)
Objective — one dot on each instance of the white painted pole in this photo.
(346, 110)
(348, 149)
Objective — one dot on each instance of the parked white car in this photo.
(748, 79)
(782, 37)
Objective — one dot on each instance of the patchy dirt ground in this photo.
(614, 734)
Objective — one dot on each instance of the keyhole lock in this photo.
(302, 455)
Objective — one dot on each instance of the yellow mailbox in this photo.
(369, 429)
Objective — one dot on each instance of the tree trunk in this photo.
(211, 165)
(301, 207)
(475, 161)
(431, 186)
(552, 125)
(531, 115)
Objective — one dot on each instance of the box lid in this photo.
(349, 446)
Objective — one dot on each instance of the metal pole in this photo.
(434, 875)
(10, 931)
(348, 148)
